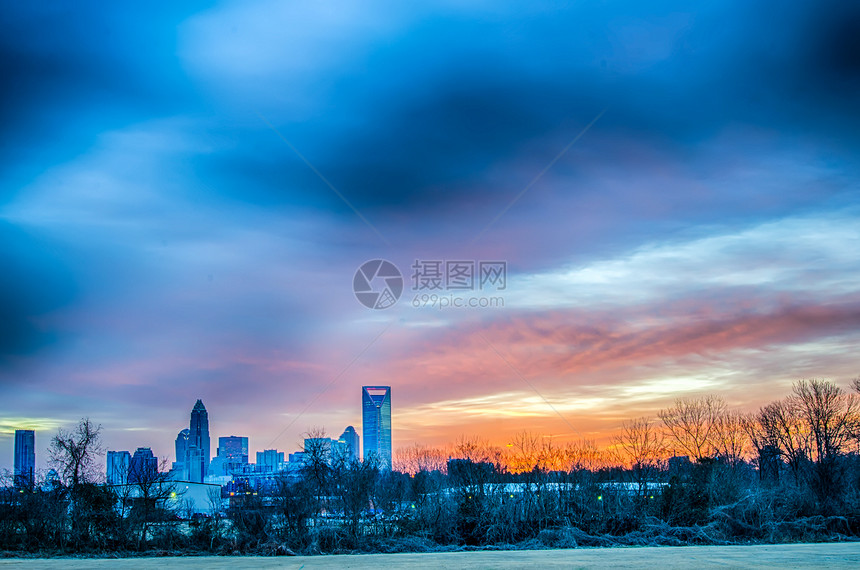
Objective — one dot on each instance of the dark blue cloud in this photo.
(73, 71)
(36, 280)
(429, 117)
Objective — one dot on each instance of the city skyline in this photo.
(114, 456)
(671, 189)
(231, 453)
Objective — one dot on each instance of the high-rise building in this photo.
(325, 449)
(118, 466)
(196, 469)
(181, 447)
(376, 423)
(297, 458)
(25, 457)
(350, 438)
(269, 460)
(232, 455)
(199, 436)
(143, 467)
(317, 446)
(233, 448)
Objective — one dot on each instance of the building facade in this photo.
(143, 467)
(376, 423)
(232, 455)
(195, 468)
(25, 458)
(198, 436)
(269, 460)
(233, 448)
(118, 466)
(350, 439)
(181, 449)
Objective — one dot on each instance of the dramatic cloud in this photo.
(186, 192)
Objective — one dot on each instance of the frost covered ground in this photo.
(838, 555)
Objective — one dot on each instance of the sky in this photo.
(187, 192)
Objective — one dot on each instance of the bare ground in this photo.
(838, 555)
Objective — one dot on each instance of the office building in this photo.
(350, 439)
(194, 465)
(233, 448)
(297, 458)
(328, 450)
(25, 458)
(232, 456)
(198, 436)
(269, 460)
(180, 470)
(317, 446)
(118, 466)
(376, 423)
(143, 467)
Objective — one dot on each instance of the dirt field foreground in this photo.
(841, 555)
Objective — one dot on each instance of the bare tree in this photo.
(354, 489)
(758, 435)
(73, 453)
(765, 444)
(152, 496)
(830, 414)
(640, 446)
(316, 466)
(730, 439)
(583, 455)
(691, 424)
(90, 507)
(524, 453)
(551, 457)
(780, 423)
(416, 458)
(476, 449)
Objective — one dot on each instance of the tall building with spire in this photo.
(198, 437)
(376, 423)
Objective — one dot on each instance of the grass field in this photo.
(840, 555)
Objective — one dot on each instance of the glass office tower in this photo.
(198, 436)
(376, 423)
(25, 458)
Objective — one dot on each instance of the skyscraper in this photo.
(181, 445)
(269, 460)
(350, 438)
(118, 466)
(143, 467)
(233, 448)
(232, 455)
(25, 457)
(198, 436)
(376, 423)
(196, 469)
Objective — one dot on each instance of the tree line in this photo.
(698, 472)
